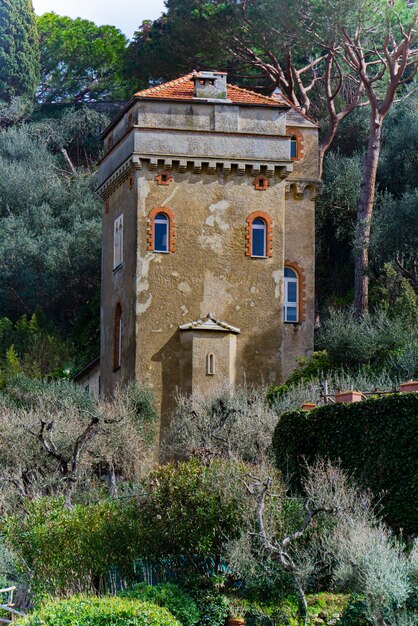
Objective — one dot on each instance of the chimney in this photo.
(210, 85)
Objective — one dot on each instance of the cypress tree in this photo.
(19, 50)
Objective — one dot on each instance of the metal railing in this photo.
(8, 606)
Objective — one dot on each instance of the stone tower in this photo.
(208, 238)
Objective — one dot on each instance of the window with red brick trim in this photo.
(117, 338)
(259, 227)
(294, 293)
(161, 230)
(296, 143)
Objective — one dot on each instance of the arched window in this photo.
(161, 232)
(258, 237)
(117, 338)
(210, 364)
(291, 295)
(293, 147)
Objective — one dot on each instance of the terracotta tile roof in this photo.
(182, 89)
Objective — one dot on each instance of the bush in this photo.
(73, 551)
(354, 612)
(188, 513)
(92, 611)
(213, 607)
(375, 440)
(370, 340)
(170, 596)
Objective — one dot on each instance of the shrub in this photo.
(233, 423)
(370, 340)
(213, 607)
(189, 511)
(72, 551)
(375, 440)
(354, 612)
(92, 611)
(171, 596)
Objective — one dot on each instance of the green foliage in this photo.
(189, 511)
(398, 164)
(79, 61)
(170, 596)
(31, 347)
(91, 611)
(50, 232)
(73, 129)
(375, 440)
(213, 607)
(72, 551)
(19, 52)
(335, 220)
(370, 340)
(395, 232)
(187, 36)
(353, 614)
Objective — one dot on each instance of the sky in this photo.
(125, 14)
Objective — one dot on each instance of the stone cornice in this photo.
(209, 166)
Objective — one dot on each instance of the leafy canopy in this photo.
(19, 51)
(79, 61)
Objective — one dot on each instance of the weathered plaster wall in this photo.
(223, 346)
(208, 272)
(118, 286)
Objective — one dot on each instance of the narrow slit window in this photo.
(293, 147)
(210, 364)
(291, 295)
(258, 238)
(117, 338)
(161, 231)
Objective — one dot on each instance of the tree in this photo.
(380, 49)
(235, 424)
(265, 43)
(189, 511)
(19, 51)
(50, 232)
(362, 552)
(57, 440)
(80, 62)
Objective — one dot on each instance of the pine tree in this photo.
(19, 50)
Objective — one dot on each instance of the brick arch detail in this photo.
(171, 227)
(301, 288)
(292, 131)
(269, 232)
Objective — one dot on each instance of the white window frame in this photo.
(166, 222)
(262, 227)
(287, 281)
(118, 242)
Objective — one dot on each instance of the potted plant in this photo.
(236, 613)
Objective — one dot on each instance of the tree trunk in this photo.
(303, 605)
(364, 215)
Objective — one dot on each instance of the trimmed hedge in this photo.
(93, 611)
(376, 441)
(171, 596)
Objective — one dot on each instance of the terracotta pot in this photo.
(308, 406)
(236, 621)
(349, 396)
(411, 385)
